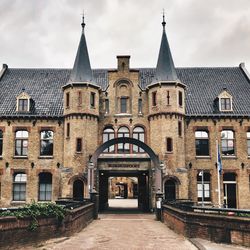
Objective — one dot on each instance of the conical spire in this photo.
(82, 70)
(165, 69)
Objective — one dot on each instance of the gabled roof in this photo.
(203, 86)
(82, 70)
(165, 69)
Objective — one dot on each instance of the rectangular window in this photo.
(169, 145)
(68, 130)
(168, 98)
(92, 99)
(140, 106)
(45, 191)
(227, 142)
(46, 143)
(106, 106)
(19, 186)
(79, 97)
(123, 104)
(248, 143)
(21, 143)
(45, 187)
(1, 142)
(154, 101)
(225, 103)
(180, 128)
(67, 100)
(78, 145)
(203, 190)
(23, 105)
(180, 99)
(202, 143)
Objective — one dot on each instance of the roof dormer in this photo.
(23, 102)
(225, 101)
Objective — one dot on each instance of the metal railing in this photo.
(67, 203)
(190, 206)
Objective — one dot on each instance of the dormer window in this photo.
(225, 104)
(23, 102)
(23, 105)
(225, 101)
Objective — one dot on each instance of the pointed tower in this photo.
(165, 69)
(81, 114)
(82, 70)
(166, 98)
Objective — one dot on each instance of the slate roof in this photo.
(82, 70)
(165, 69)
(203, 86)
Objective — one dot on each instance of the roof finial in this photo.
(83, 23)
(163, 18)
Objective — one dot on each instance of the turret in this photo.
(81, 113)
(166, 98)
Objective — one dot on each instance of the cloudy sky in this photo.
(46, 33)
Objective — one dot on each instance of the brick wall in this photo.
(217, 228)
(14, 232)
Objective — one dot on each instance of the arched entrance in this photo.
(171, 188)
(78, 190)
(149, 180)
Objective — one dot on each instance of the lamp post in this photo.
(201, 173)
(90, 176)
(163, 171)
(159, 194)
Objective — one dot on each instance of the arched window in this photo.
(1, 142)
(45, 187)
(108, 134)
(202, 143)
(227, 142)
(139, 134)
(123, 147)
(203, 186)
(21, 145)
(19, 186)
(46, 143)
(123, 97)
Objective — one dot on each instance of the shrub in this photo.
(35, 210)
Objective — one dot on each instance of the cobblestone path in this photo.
(122, 231)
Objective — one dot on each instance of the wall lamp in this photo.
(242, 165)
(7, 164)
(190, 165)
(32, 164)
(58, 164)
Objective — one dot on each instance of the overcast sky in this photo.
(46, 33)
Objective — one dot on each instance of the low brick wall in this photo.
(15, 232)
(213, 227)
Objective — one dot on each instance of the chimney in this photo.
(4, 69)
(123, 63)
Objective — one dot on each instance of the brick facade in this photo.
(78, 111)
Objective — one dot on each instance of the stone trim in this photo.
(16, 128)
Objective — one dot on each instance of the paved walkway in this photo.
(122, 231)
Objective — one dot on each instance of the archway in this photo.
(142, 176)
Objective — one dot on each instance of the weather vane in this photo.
(83, 24)
(163, 17)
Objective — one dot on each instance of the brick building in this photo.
(64, 131)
